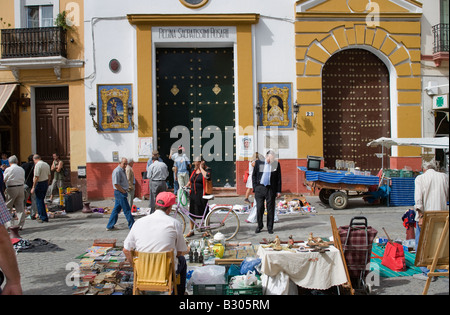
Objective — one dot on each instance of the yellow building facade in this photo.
(45, 81)
(388, 29)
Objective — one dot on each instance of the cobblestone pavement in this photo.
(44, 271)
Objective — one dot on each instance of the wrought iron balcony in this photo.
(440, 34)
(33, 42)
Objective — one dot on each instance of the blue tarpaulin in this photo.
(335, 177)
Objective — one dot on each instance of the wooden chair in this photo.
(154, 272)
(433, 249)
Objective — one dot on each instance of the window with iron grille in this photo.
(440, 34)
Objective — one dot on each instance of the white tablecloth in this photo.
(309, 270)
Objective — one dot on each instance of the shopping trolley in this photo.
(357, 241)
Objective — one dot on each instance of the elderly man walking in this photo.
(120, 185)
(157, 172)
(14, 177)
(8, 261)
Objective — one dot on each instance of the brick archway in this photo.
(356, 108)
(398, 54)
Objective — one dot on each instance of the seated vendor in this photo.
(159, 232)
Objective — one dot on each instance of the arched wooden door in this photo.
(195, 90)
(356, 108)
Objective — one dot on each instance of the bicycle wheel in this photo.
(223, 220)
(180, 218)
(183, 197)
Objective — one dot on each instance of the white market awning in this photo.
(435, 143)
(5, 93)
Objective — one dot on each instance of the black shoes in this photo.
(270, 231)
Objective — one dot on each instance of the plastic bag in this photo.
(234, 271)
(250, 264)
(278, 285)
(209, 275)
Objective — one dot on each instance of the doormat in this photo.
(385, 272)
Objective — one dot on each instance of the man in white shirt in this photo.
(159, 232)
(430, 194)
(14, 177)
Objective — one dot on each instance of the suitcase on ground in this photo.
(73, 201)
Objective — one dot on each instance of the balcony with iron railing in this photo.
(33, 42)
(35, 48)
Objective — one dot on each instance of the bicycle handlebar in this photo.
(186, 189)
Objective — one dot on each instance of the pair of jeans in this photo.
(40, 191)
(424, 270)
(181, 270)
(268, 195)
(121, 202)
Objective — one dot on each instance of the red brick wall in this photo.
(99, 180)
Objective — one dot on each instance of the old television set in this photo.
(313, 163)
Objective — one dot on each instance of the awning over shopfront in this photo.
(5, 92)
(435, 143)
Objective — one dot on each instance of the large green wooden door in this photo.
(195, 92)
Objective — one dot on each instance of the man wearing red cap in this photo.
(159, 232)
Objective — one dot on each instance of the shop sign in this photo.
(440, 101)
(194, 34)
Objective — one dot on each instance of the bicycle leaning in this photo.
(220, 219)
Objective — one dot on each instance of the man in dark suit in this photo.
(266, 180)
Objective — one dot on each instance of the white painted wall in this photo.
(114, 37)
(431, 74)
